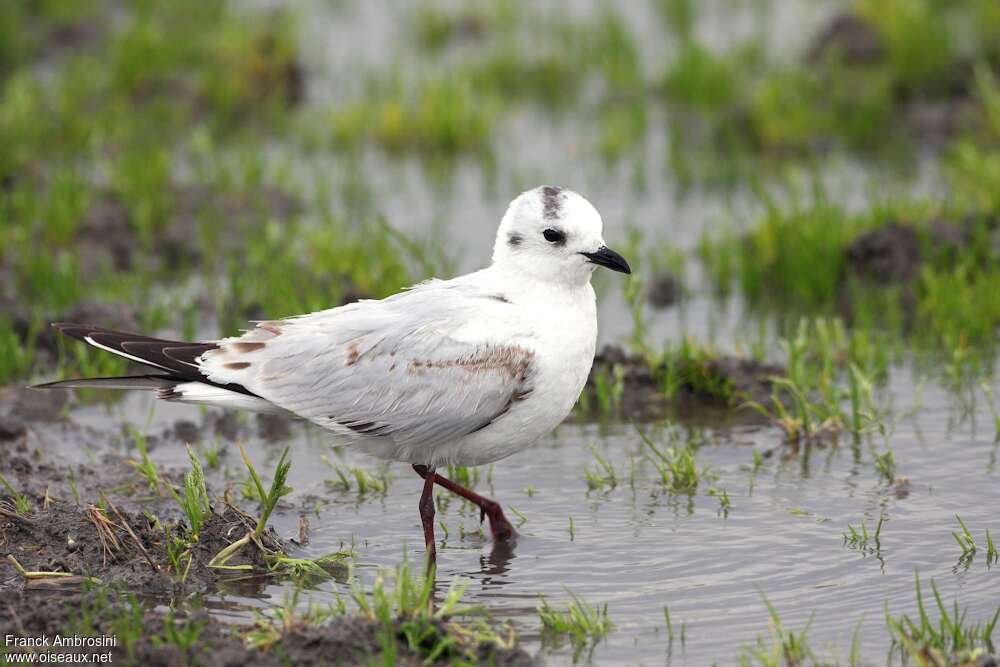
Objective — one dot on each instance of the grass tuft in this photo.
(193, 499)
(949, 640)
(21, 503)
(581, 622)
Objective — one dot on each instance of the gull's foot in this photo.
(500, 527)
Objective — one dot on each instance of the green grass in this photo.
(310, 570)
(783, 647)
(795, 250)
(467, 476)
(582, 623)
(145, 465)
(950, 639)
(409, 612)
(603, 476)
(604, 392)
(193, 498)
(964, 539)
(122, 611)
(270, 626)
(268, 500)
(746, 108)
(183, 634)
(158, 129)
(21, 503)
(16, 353)
(885, 466)
(681, 635)
(794, 258)
(724, 503)
(832, 382)
(688, 367)
(675, 465)
(861, 540)
(358, 479)
(437, 118)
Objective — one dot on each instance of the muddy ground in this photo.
(346, 640)
(106, 532)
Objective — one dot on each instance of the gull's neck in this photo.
(508, 279)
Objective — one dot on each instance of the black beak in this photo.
(605, 256)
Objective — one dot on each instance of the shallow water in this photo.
(638, 548)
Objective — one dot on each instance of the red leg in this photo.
(502, 530)
(427, 517)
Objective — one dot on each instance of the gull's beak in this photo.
(607, 257)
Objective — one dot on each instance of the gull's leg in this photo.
(499, 526)
(427, 512)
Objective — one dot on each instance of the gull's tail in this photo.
(179, 376)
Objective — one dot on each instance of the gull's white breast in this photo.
(563, 326)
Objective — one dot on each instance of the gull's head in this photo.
(554, 234)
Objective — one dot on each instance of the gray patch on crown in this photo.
(514, 240)
(552, 201)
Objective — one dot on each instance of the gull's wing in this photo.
(424, 366)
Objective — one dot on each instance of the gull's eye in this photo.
(554, 236)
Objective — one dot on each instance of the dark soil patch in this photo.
(118, 547)
(664, 291)
(126, 544)
(705, 385)
(887, 255)
(848, 38)
(747, 379)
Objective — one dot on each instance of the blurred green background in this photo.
(185, 166)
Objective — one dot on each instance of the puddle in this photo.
(639, 548)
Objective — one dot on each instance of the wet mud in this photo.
(96, 535)
(712, 386)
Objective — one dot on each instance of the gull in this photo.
(465, 371)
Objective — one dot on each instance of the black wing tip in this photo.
(63, 327)
(54, 384)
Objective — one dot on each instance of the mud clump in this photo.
(850, 38)
(887, 255)
(664, 291)
(118, 547)
(894, 254)
(744, 379)
(11, 429)
(651, 388)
